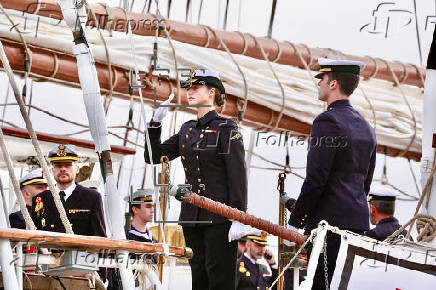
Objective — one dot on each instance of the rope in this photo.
(22, 203)
(374, 117)
(75, 123)
(173, 50)
(408, 105)
(244, 108)
(293, 258)
(305, 64)
(279, 118)
(26, 47)
(206, 45)
(414, 177)
(425, 225)
(55, 65)
(271, 19)
(279, 54)
(35, 143)
(417, 32)
(405, 72)
(288, 169)
(5, 208)
(421, 77)
(199, 12)
(425, 192)
(108, 59)
(374, 73)
(244, 49)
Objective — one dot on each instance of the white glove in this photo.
(237, 231)
(161, 112)
(74, 13)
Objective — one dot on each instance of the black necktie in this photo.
(62, 195)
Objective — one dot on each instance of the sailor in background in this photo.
(212, 154)
(250, 274)
(30, 184)
(142, 211)
(381, 214)
(340, 163)
(84, 206)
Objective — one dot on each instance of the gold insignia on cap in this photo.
(61, 151)
(264, 235)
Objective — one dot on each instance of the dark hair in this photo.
(219, 98)
(348, 82)
(383, 206)
(133, 205)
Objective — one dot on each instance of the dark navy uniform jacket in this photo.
(16, 219)
(138, 236)
(384, 229)
(84, 209)
(253, 276)
(340, 166)
(212, 154)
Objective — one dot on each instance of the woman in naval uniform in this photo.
(212, 154)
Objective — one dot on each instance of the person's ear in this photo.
(333, 84)
(212, 92)
(371, 208)
(26, 193)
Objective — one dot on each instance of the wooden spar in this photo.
(163, 201)
(22, 133)
(44, 239)
(245, 218)
(142, 24)
(256, 116)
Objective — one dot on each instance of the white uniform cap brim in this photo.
(37, 173)
(328, 62)
(205, 73)
(381, 191)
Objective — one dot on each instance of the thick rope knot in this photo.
(426, 228)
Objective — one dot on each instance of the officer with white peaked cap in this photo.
(340, 163)
(30, 184)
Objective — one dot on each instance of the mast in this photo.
(74, 14)
(429, 132)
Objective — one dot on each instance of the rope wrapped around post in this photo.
(245, 218)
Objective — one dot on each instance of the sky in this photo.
(343, 25)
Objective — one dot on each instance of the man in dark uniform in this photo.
(340, 163)
(212, 154)
(251, 275)
(381, 214)
(30, 184)
(142, 211)
(84, 206)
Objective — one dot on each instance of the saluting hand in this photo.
(162, 111)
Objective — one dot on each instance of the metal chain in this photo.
(326, 274)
